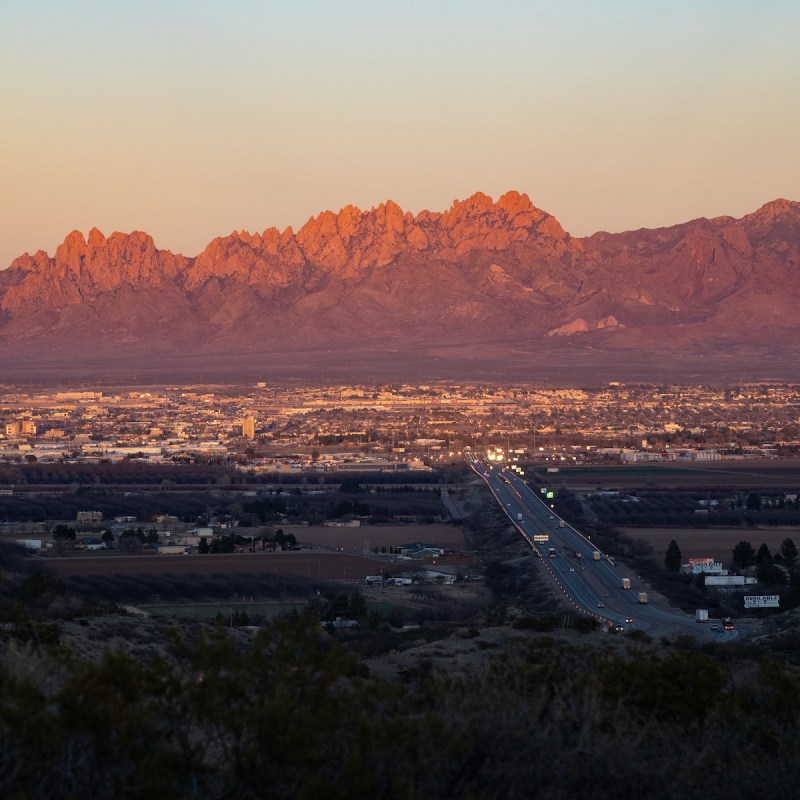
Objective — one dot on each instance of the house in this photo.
(340, 622)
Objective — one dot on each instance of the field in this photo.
(747, 474)
(716, 543)
(325, 566)
(370, 536)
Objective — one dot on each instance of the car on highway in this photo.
(628, 620)
(619, 628)
(601, 605)
(715, 627)
(572, 569)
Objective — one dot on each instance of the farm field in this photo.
(369, 536)
(745, 474)
(716, 543)
(326, 566)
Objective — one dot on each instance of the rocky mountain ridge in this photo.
(500, 275)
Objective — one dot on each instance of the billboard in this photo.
(762, 601)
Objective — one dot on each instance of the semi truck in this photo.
(561, 523)
(596, 555)
(643, 598)
(701, 615)
(551, 551)
(519, 517)
(626, 583)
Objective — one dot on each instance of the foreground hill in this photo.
(483, 288)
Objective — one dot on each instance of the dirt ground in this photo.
(311, 563)
(329, 566)
(717, 543)
(369, 536)
(746, 474)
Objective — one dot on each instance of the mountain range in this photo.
(483, 289)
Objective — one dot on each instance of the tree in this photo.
(700, 581)
(789, 553)
(202, 547)
(356, 606)
(672, 559)
(285, 540)
(754, 502)
(129, 542)
(770, 574)
(763, 556)
(743, 555)
(138, 533)
(63, 532)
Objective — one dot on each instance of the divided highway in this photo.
(593, 587)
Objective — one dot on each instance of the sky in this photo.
(193, 119)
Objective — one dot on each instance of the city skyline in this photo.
(195, 120)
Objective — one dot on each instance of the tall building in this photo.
(25, 427)
(249, 428)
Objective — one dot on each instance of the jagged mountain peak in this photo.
(482, 270)
(776, 208)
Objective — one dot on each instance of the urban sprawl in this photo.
(301, 428)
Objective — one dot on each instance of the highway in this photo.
(568, 558)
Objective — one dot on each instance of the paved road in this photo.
(568, 558)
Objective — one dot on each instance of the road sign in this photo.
(762, 601)
(551, 495)
(541, 537)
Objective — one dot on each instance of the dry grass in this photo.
(369, 536)
(747, 474)
(326, 566)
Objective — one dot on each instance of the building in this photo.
(729, 581)
(249, 428)
(89, 516)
